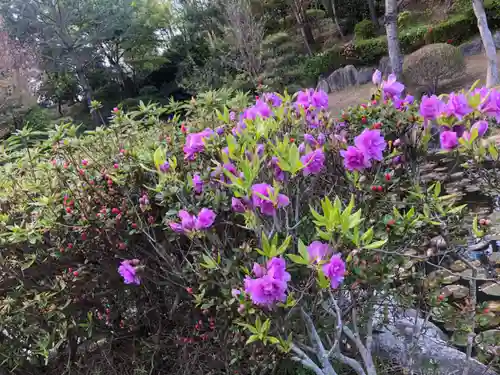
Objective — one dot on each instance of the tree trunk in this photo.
(391, 27)
(373, 14)
(488, 42)
(335, 18)
(305, 27)
(332, 13)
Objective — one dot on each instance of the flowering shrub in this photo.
(240, 237)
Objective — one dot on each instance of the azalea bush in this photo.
(245, 236)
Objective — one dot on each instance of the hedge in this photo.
(456, 30)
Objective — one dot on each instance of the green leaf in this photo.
(437, 189)
(209, 262)
(493, 151)
(273, 340)
(457, 209)
(252, 339)
(297, 259)
(375, 245)
(323, 282)
(159, 157)
(302, 249)
(367, 236)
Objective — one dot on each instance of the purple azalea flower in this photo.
(458, 106)
(317, 251)
(317, 99)
(232, 116)
(481, 126)
(313, 161)
(355, 159)
(205, 219)
(448, 140)
(276, 268)
(273, 98)
(431, 107)
(188, 221)
(176, 227)
(371, 143)
(267, 207)
(258, 270)
(321, 139)
(392, 87)
(335, 271)
(195, 142)
(377, 77)
(279, 175)
(197, 184)
(490, 104)
(237, 205)
(302, 148)
(128, 272)
(235, 292)
(219, 130)
(266, 291)
(260, 149)
(165, 167)
(270, 285)
(310, 139)
(238, 129)
(261, 108)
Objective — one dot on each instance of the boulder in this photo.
(385, 66)
(342, 78)
(365, 75)
(473, 47)
(323, 85)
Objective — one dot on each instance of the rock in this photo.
(491, 289)
(323, 85)
(385, 66)
(473, 47)
(429, 344)
(365, 75)
(438, 242)
(455, 290)
(481, 274)
(342, 78)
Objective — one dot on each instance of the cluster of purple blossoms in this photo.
(368, 146)
(311, 98)
(490, 103)
(457, 106)
(313, 142)
(189, 222)
(259, 109)
(313, 162)
(449, 138)
(270, 284)
(335, 271)
(241, 205)
(392, 88)
(164, 168)
(317, 251)
(272, 98)
(195, 142)
(127, 270)
(261, 198)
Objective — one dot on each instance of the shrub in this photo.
(323, 63)
(365, 30)
(432, 64)
(232, 238)
(370, 51)
(404, 19)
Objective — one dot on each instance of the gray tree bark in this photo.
(391, 27)
(488, 42)
(373, 14)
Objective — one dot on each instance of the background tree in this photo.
(391, 27)
(488, 42)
